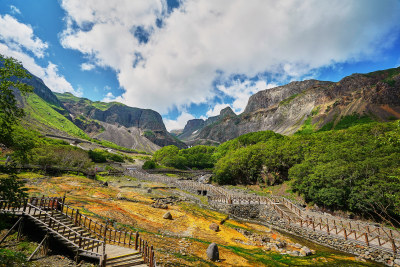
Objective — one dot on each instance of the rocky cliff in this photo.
(67, 115)
(310, 105)
(193, 128)
(118, 123)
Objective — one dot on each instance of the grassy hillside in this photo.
(39, 110)
(68, 97)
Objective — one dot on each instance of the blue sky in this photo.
(189, 59)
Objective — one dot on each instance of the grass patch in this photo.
(39, 110)
(352, 120)
(287, 101)
(307, 127)
(193, 259)
(29, 175)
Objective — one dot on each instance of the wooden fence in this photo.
(44, 208)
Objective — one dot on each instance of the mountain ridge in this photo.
(309, 104)
(68, 115)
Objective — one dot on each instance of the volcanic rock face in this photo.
(135, 128)
(191, 133)
(285, 109)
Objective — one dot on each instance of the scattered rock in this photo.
(297, 245)
(212, 252)
(397, 261)
(105, 183)
(214, 227)
(149, 190)
(305, 251)
(167, 216)
(281, 244)
(159, 205)
(265, 239)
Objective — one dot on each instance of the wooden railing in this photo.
(43, 210)
(59, 228)
(111, 236)
(371, 235)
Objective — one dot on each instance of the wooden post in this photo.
(151, 262)
(76, 217)
(20, 228)
(25, 204)
(345, 233)
(136, 240)
(366, 239)
(392, 241)
(105, 232)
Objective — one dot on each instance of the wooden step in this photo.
(92, 246)
(125, 259)
(126, 263)
(123, 256)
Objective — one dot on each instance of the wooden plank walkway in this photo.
(82, 235)
(372, 235)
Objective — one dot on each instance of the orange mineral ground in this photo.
(183, 240)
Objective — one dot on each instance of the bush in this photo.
(150, 164)
(97, 156)
(11, 258)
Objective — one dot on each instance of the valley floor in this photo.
(183, 240)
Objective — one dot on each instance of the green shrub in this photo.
(150, 164)
(97, 156)
(11, 258)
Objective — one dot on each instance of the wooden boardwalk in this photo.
(374, 236)
(80, 234)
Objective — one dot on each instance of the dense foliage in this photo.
(100, 156)
(11, 73)
(355, 169)
(149, 164)
(12, 189)
(198, 157)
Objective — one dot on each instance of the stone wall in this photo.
(267, 215)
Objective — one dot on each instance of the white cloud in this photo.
(180, 121)
(20, 36)
(216, 109)
(109, 97)
(242, 90)
(17, 40)
(15, 10)
(202, 40)
(57, 82)
(87, 66)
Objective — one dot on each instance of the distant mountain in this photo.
(126, 126)
(191, 133)
(309, 105)
(67, 115)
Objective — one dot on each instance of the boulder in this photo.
(281, 244)
(159, 205)
(265, 239)
(167, 216)
(212, 252)
(105, 183)
(397, 261)
(214, 227)
(149, 190)
(305, 251)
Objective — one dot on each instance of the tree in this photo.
(12, 189)
(11, 75)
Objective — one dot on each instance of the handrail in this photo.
(111, 235)
(76, 235)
